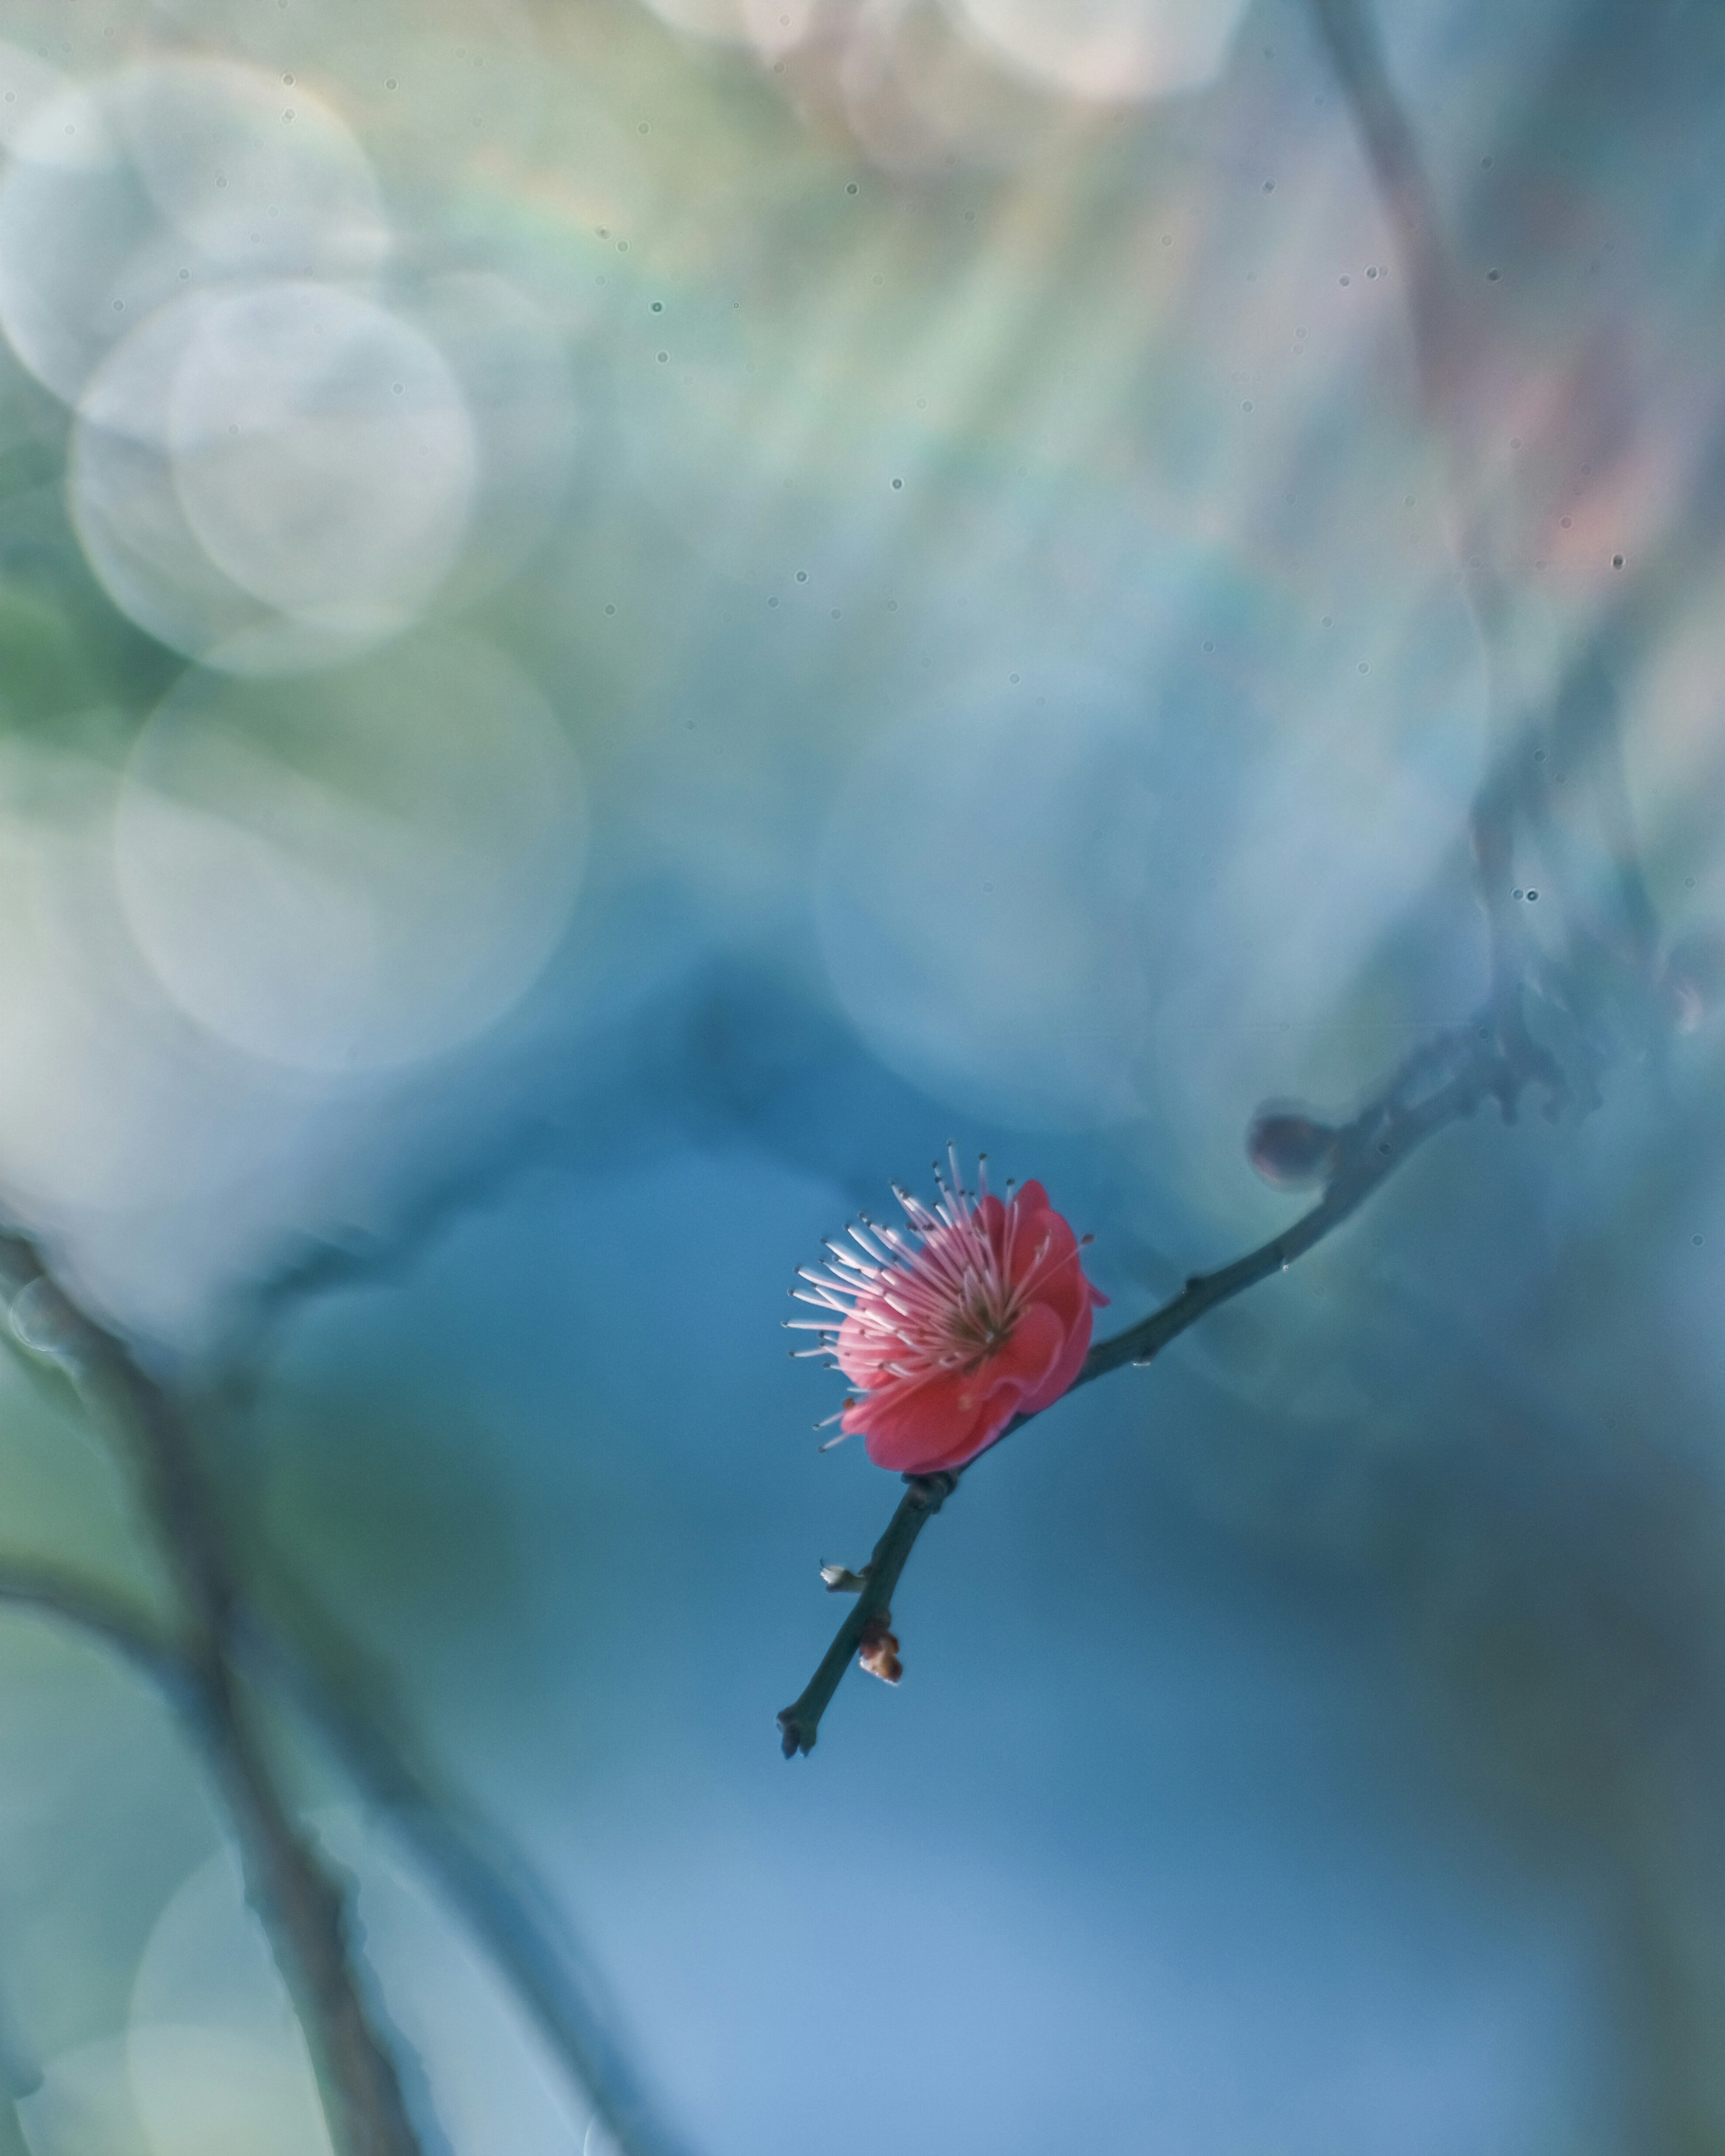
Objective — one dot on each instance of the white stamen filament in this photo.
(938, 1299)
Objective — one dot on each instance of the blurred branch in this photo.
(490, 1884)
(1442, 1080)
(1447, 336)
(1350, 38)
(132, 1634)
(302, 1908)
(508, 1909)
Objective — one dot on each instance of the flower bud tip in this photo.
(878, 1651)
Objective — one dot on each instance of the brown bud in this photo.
(1288, 1146)
(878, 1651)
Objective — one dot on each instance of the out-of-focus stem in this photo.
(303, 1910)
(490, 1883)
(77, 1606)
(1447, 336)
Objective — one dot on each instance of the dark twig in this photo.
(1499, 1058)
(1444, 1079)
(800, 1724)
(302, 1907)
(1371, 1147)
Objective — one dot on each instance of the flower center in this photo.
(983, 1323)
(937, 1299)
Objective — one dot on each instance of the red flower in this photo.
(980, 1313)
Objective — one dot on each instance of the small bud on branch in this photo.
(878, 1649)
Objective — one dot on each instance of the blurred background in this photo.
(615, 622)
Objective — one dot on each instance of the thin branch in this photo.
(509, 1910)
(1443, 1080)
(130, 1633)
(1448, 1078)
(1447, 335)
(800, 1724)
(491, 1885)
(1350, 39)
(303, 1909)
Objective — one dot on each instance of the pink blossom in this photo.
(980, 1312)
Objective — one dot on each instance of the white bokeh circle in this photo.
(985, 903)
(121, 194)
(322, 453)
(1077, 899)
(356, 868)
(206, 1974)
(771, 27)
(27, 82)
(920, 95)
(132, 524)
(1108, 51)
(105, 1104)
(174, 2091)
(274, 476)
(262, 178)
(513, 370)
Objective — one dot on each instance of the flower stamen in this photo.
(977, 1309)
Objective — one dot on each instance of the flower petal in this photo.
(916, 1428)
(911, 1336)
(1065, 1368)
(1025, 1359)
